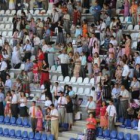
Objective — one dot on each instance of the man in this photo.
(27, 50)
(83, 65)
(1, 42)
(64, 60)
(1, 103)
(56, 90)
(137, 58)
(14, 104)
(111, 113)
(48, 102)
(71, 92)
(54, 121)
(8, 83)
(91, 105)
(124, 98)
(40, 28)
(32, 113)
(66, 24)
(125, 74)
(62, 101)
(133, 11)
(36, 42)
(3, 68)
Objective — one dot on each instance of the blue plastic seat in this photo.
(7, 120)
(100, 133)
(1, 131)
(127, 123)
(122, 120)
(18, 134)
(134, 124)
(43, 137)
(72, 139)
(128, 136)
(113, 135)
(37, 136)
(1, 119)
(106, 134)
(13, 121)
(120, 136)
(31, 136)
(25, 134)
(6, 132)
(12, 133)
(25, 122)
(65, 126)
(50, 137)
(19, 122)
(135, 137)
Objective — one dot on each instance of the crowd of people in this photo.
(99, 49)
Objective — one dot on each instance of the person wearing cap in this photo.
(14, 104)
(62, 101)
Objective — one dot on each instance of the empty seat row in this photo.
(6, 20)
(6, 34)
(55, 69)
(24, 135)
(73, 80)
(15, 122)
(6, 27)
(113, 135)
(130, 28)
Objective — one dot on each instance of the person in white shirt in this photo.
(124, 98)
(14, 104)
(91, 105)
(3, 68)
(8, 83)
(48, 102)
(113, 41)
(137, 58)
(62, 101)
(64, 59)
(111, 113)
(94, 94)
(125, 74)
(36, 42)
(56, 90)
(54, 116)
(1, 41)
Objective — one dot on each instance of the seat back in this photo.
(106, 133)
(25, 122)
(79, 80)
(50, 137)
(120, 136)
(1, 130)
(6, 132)
(12, 133)
(19, 121)
(43, 137)
(18, 133)
(37, 136)
(1, 119)
(31, 135)
(128, 136)
(6, 119)
(113, 134)
(135, 137)
(86, 80)
(25, 134)
(12, 120)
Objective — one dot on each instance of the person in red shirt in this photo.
(35, 71)
(40, 58)
(91, 127)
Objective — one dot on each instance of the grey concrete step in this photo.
(80, 123)
(78, 128)
(70, 134)
(63, 138)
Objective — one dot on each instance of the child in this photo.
(35, 71)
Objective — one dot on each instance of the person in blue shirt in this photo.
(47, 34)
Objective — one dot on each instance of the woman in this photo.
(50, 51)
(18, 86)
(22, 104)
(96, 71)
(135, 87)
(39, 116)
(91, 127)
(128, 45)
(16, 58)
(126, 8)
(40, 58)
(95, 48)
(44, 73)
(60, 36)
(76, 16)
(118, 75)
(111, 49)
(69, 48)
(77, 66)
(15, 38)
(33, 25)
(7, 111)
(84, 28)
(68, 39)
(47, 90)
(103, 118)
(69, 112)
(25, 82)
(96, 59)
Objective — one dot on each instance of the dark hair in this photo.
(93, 88)
(34, 102)
(52, 105)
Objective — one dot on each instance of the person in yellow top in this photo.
(133, 11)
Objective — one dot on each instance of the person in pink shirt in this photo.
(95, 48)
(111, 50)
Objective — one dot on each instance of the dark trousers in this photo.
(1, 109)
(125, 83)
(64, 68)
(14, 110)
(3, 75)
(27, 56)
(33, 124)
(83, 72)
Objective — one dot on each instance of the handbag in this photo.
(90, 58)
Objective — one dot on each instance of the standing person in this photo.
(47, 90)
(32, 113)
(39, 117)
(111, 114)
(14, 104)
(125, 74)
(39, 26)
(128, 46)
(91, 106)
(1, 103)
(66, 19)
(76, 16)
(54, 121)
(83, 65)
(44, 73)
(56, 90)
(103, 118)
(61, 107)
(124, 98)
(23, 107)
(64, 59)
(91, 127)
(35, 72)
(69, 112)
(126, 8)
